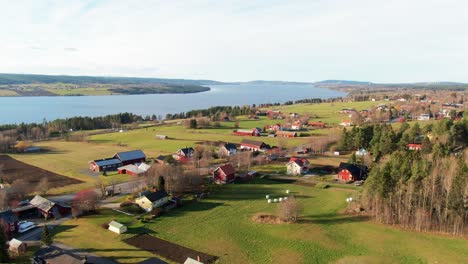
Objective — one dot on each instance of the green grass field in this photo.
(221, 225)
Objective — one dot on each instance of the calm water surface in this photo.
(35, 109)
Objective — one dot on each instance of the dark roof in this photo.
(107, 162)
(162, 157)
(8, 216)
(154, 196)
(56, 255)
(230, 146)
(228, 169)
(187, 151)
(354, 169)
(252, 142)
(130, 155)
(153, 260)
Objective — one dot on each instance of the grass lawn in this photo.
(221, 225)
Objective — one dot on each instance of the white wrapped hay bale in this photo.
(267, 196)
(269, 200)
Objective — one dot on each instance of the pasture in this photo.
(221, 225)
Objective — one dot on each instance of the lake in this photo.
(35, 109)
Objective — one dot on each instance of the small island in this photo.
(55, 85)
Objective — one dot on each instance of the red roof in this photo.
(227, 169)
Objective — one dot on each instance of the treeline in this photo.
(161, 89)
(215, 111)
(416, 192)
(381, 139)
(10, 134)
(424, 190)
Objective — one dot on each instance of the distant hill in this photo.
(7, 78)
(342, 82)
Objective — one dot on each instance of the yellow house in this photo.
(152, 200)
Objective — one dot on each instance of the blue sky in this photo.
(310, 40)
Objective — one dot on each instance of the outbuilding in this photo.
(252, 145)
(352, 172)
(224, 174)
(110, 164)
(117, 227)
(288, 134)
(17, 247)
(131, 157)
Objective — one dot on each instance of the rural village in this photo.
(290, 180)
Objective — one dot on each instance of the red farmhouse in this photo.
(351, 172)
(224, 174)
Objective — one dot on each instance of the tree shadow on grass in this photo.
(62, 228)
(332, 219)
(193, 207)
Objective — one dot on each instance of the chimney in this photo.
(198, 259)
(155, 189)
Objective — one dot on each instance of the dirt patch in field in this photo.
(13, 169)
(267, 219)
(167, 249)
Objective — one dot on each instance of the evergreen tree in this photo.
(4, 256)
(46, 237)
(160, 183)
(353, 158)
(426, 147)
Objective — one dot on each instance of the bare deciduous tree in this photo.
(289, 210)
(43, 186)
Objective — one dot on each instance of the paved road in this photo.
(35, 234)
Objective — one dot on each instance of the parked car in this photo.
(24, 226)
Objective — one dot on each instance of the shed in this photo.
(289, 134)
(17, 247)
(224, 174)
(117, 227)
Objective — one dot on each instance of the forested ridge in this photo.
(423, 190)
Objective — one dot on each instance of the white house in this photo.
(361, 152)
(117, 227)
(424, 117)
(152, 200)
(297, 166)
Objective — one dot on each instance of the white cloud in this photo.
(374, 40)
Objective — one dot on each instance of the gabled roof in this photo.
(107, 162)
(142, 168)
(130, 155)
(56, 255)
(42, 203)
(15, 243)
(354, 168)
(116, 224)
(229, 146)
(8, 216)
(158, 195)
(192, 261)
(227, 169)
(254, 143)
(187, 151)
(299, 161)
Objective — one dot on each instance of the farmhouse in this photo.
(352, 172)
(130, 157)
(414, 146)
(274, 128)
(184, 154)
(10, 222)
(117, 227)
(288, 134)
(224, 174)
(134, 170)
(110, 164)
(252, 145)
(227, 149)
(152, 200)
(297, 166)
(346, 122)
(297, 125)
(48, 208)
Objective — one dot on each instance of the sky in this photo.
(228, 40)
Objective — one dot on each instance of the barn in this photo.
(134, 170)
(110, 164)
(224, 174)
(248, 132)
(352, 172)
(131, 157)
(48, 208)
(184, 154)
(288, 134)
(252, 145)
(318, 124)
